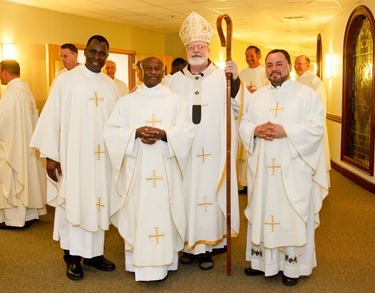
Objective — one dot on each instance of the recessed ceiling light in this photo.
(293, 18)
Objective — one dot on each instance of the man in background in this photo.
(110, 69)
(22, 175)
(138, 72)
(178, 64)
(69, 56)
(254, 77)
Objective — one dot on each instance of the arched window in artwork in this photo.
(357, 148)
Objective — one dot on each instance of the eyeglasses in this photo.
(197, 47)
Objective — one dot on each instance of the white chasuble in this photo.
(205, 180)
(22, 174)
(149, 214)
(287, 178)
(310, 79)
(70, 131)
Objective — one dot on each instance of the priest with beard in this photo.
(282, 132)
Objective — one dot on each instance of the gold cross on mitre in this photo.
(203, 155)
(272, 223)
(98, 152)
(153, 121)
(154, 178)
(273, 166)
(96, 99)
(277, 109)
(156, 235)
(205, 203)
(99, 204)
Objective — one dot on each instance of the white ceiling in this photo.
(259, 22)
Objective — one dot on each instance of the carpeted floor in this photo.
(30, 261)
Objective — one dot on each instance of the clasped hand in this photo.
(269, 131)
(150, 135)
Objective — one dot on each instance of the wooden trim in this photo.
(369, 186)
(319, 55)
(334, 118)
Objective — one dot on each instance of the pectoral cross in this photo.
(272, 223)
(156, 235)
(203, 155)
(273, 166)
(277, 109)
(205, 203)
(99, 204)
(96, 99)
(98, 152)
(153, 121)
(154, 178)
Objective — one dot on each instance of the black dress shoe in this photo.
(289, 281)
(73, 269)
(251, 272)
(4, 226)
(99, 262)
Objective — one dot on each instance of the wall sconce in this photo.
(8, 51)
(328, 65)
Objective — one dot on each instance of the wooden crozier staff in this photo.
(229, 77)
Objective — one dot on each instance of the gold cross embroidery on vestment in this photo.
(154, 178)
(156, 235)
(98, 152)
(96, 99)
(99, 204)
(203, 155)
(153, 121)
(273, 166)
(277, 109)
(273, 223)
(205, 203)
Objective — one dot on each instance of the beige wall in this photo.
(332, 41)
(31, 28)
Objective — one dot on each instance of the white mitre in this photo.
(195, 28)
